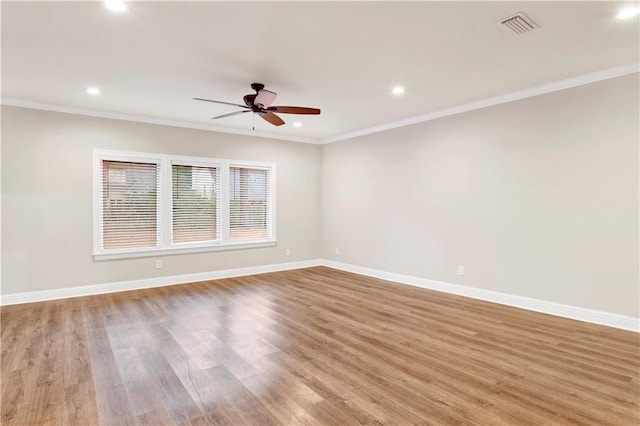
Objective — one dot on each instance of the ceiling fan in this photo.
(260, 103)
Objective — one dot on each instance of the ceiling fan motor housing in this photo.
(248, 100)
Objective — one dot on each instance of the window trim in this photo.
(165, 205)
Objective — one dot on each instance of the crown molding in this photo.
(150, 120)
(497, 100)
(555, 86)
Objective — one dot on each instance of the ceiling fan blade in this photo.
(294, 110)
(220, 102)
(272, 118)
(231, 114)
(265, 98)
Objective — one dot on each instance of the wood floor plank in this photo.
(112, 398)
(178, 403)
(204, 387)
(308, 347)
(79, 395)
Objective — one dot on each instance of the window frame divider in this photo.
(224, 200)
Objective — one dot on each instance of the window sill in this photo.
(184, 250)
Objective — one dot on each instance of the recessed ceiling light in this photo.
(297, 124)
(115, 5)
(398, 90)
(93, 91)
(628, 12)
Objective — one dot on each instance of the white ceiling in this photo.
(341, 57)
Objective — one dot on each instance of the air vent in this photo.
(518, 23)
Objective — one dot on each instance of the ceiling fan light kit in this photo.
(260, 104)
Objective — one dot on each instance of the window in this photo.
(149, 204)
(129, 204)
(248, 203)
(195, 204)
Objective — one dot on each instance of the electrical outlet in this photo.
(337, 251)
(460, 270)
(158, 263)
(287, 252)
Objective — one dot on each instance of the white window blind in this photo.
(129, 204)
(249, 203)
(196, 203)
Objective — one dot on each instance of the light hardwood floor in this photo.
(312, 346)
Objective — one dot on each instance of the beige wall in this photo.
(537, 198)
(47, 198)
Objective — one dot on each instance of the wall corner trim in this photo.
(20, 103)
(89, 290)
(542, 89)
(566, 311)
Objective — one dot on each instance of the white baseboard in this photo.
(88, 290)
(567, 311)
